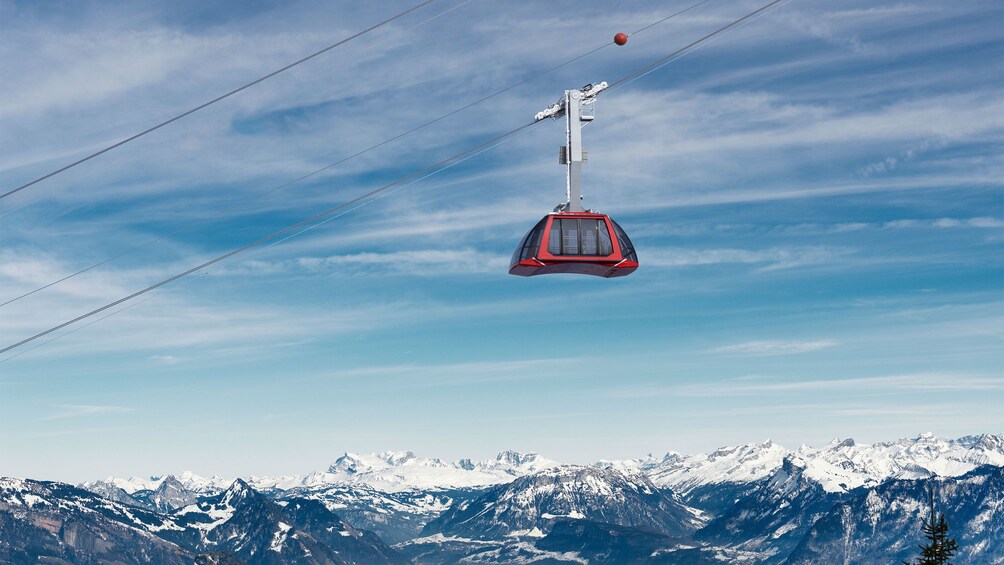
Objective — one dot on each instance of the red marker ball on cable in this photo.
(620, 38)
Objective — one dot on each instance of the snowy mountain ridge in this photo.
(388, 471)
(571, 513)
(188, 479)
(42, 519)
(529, 505)
(844, 465)
(839, 466)
(402, 470)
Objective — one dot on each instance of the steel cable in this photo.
(269, 237)
(635, 74)
(354, 155)
(214, 100)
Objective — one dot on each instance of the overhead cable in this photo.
(214, 100)
(271, 236)
(275, 242)
(656, 64)
(663, 60)
(354, 155)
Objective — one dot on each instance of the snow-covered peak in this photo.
(12, 483)
(986, 443)
(515, 464)
(579, 480)
(570, 491)
(735, 464)
(514, 458)
(284, 482)
(189, 480)
(20, 492)
(403, 470)
(237, 492)
(132, 484)
(396, 458)
(640, 465)
(837, 443)
(389, 471)
(200, 484)
(348, 463)
(353, 463)
(846, 465)
(840, 465)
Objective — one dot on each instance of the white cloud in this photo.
(432, 262)
(167, 359)
(463, 374)
(946, 223)
(775, 347)
(770, 259)
(880, 385)
(421, 262)
(81, 410)
(917, 382)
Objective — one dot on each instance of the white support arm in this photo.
(557, 109)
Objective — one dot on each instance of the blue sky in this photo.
(816, 199)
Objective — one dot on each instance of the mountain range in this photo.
(757, 503)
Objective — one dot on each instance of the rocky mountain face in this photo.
(244, 523)
(348, 543)
(190, 481)
(610, 544)
(70, 525)
(396, 516)
(111, 492)
(46, 521)
(169, 496)
(554, 516)
(530, 505)
(882, 524)
(772, 518)
(599, 542)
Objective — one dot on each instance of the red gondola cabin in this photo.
(576, 243)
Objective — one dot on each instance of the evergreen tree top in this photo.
(940, 547)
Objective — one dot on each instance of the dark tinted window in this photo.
(579, 236)
(528, 246)
(569, 237)
(627, 248)
(554, 240)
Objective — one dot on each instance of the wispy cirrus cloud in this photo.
(886, 384)
(915, 382)
(419, 376)
(775, 347)
(982, 222)
(423, 262)
(66, 411)
(166, 359)
(975, 222)
(767, 259)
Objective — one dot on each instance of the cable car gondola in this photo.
(575, 242)
(571, 239)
